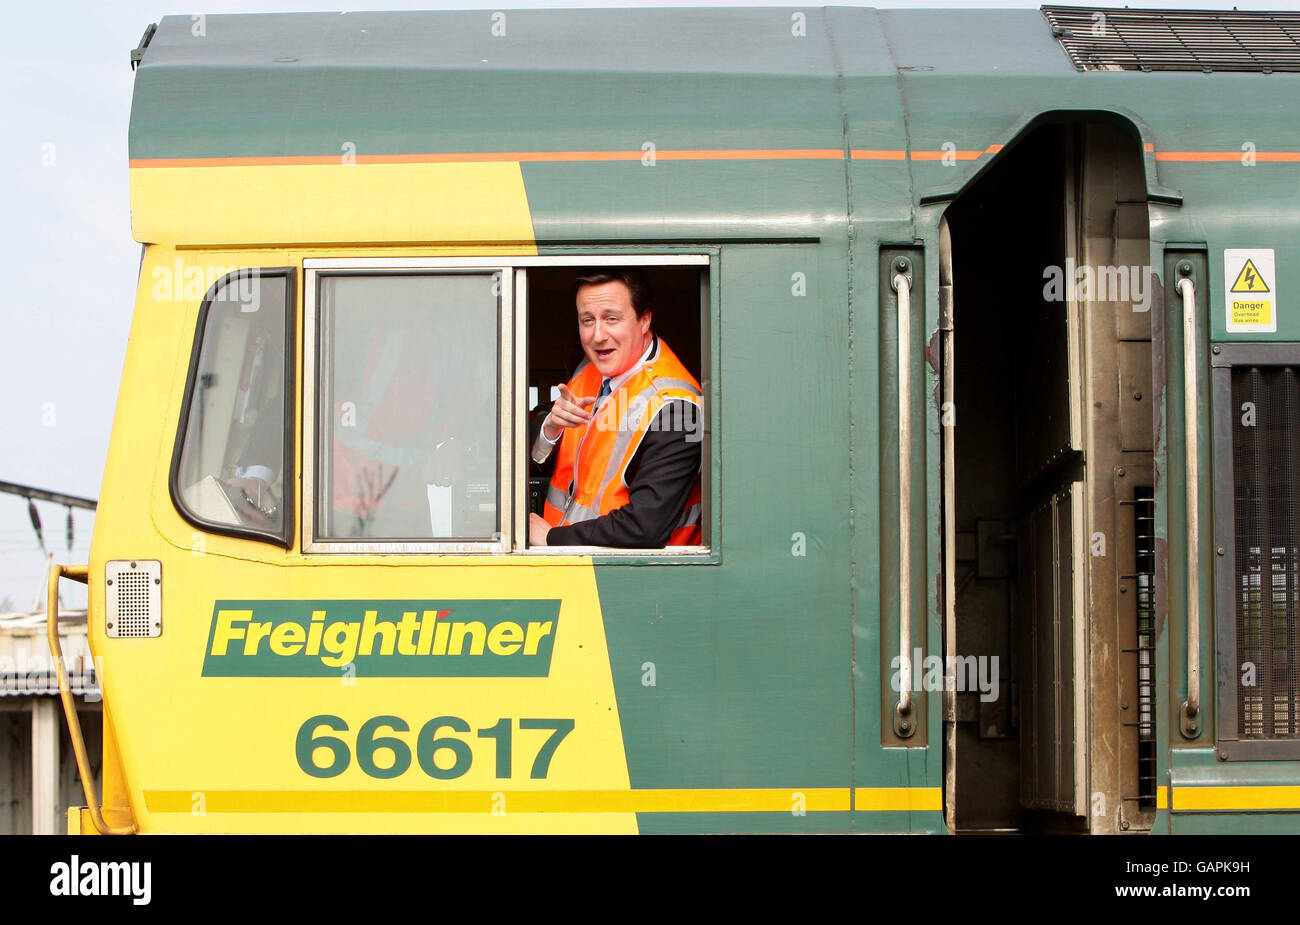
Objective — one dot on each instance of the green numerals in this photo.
(308, 744)
(440, 753)
(428, 744)
(561, 728)
(368, 743)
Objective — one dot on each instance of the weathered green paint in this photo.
(766, 662)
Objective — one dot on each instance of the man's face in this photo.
(613, 337)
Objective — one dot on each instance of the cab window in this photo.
(232, 457)
(408, 438)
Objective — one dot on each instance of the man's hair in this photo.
(637, 283)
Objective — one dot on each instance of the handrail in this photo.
(79, 573)
(1192, 705)
(902, 722)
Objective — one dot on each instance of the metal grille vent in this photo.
(1266, 467)
(133, 599)
(1144, 578)
(1101, 39)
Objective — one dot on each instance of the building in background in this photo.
(38, 772)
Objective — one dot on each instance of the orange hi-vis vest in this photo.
(590, 470)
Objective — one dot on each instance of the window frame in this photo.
(288, 478)
(1223, 359)
(512, 360)
(313, 345)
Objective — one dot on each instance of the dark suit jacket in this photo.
(659, 480)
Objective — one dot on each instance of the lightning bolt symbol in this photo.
(1250, 278)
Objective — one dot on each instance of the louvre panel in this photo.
(1103, 39)
(1266, 466)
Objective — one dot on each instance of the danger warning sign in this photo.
(1252, 290)
(1249, 279)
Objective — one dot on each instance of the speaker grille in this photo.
(133, 598)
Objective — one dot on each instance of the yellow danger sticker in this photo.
(1251, 299)
(1249, 279)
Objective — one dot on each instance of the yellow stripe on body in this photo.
(814, 799)
(374, 203)
(1234, 799)
(898, 799)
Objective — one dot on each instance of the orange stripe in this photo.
(722, 154)
(940, 155)
(738, 154)
(1291, 157)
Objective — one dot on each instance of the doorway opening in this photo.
(1052, 300)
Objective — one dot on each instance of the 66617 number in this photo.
(439, 753)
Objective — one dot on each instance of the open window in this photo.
(422, 378)
(678, 299)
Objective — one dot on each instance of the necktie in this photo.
(604, 390)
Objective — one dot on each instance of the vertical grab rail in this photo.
(903, 724)
(76, 573)
(1192, 705)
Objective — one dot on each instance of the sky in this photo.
(73, 266)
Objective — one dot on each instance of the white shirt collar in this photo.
(617, 382)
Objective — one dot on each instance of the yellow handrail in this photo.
(75, 573)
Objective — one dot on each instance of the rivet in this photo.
(1217, 349)
(1120, 471)
(1221, 551)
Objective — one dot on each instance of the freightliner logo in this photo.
(382, 639)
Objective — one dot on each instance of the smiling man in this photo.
(627, 473)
